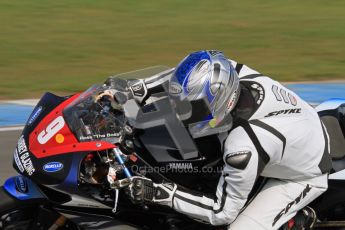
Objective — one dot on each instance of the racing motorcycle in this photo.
(76, 154)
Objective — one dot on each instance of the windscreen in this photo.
(93, 118)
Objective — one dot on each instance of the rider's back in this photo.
(288, 128)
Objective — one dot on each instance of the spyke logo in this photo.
(284, 111)
(288, 207)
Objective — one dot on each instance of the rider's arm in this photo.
(139, 89)
(244, 71)
(142, 89)
(242, 167)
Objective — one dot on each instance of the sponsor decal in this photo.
(138, 89)
(21, 146)
(214, 52)
(284, 111)
(22, 157)
(21, 184)
(99, 136)
(34, 115)
(292, 203)
(27, 163)
(53, 167)
(59, 138)
(180, 166)
(17, 160)
(175, 88)
(231, 103)
(261, 92)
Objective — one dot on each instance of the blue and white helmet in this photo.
(203, 90)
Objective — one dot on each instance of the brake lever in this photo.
(123, 183)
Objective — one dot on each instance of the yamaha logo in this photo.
(180, 166)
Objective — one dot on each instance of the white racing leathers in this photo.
(284, 140)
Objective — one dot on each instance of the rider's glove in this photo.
(119, 89)
(143, 190)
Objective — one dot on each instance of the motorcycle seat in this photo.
(337, 140)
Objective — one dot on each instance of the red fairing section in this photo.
(52, 136)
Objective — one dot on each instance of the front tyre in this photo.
(15, 214)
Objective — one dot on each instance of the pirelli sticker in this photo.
(22, 157)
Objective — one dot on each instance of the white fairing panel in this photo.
(330, 104)
(340, 175)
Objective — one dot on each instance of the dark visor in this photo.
(200, 111)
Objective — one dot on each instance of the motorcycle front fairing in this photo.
(28, 160)
(48, 151)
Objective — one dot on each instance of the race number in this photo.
(54, 127)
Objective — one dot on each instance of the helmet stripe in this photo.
(188, 64)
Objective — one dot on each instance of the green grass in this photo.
(66, 45)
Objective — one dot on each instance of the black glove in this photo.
(143, 190)
(117, 83)
(118, 88)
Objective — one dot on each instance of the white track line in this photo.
(4, 129)
(29, 102)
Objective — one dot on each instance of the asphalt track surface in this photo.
(8, 140)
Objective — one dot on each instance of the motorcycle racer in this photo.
(271, 132)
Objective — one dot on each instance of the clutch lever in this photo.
(123, 183)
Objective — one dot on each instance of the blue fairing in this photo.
(22, 188)
(71, 181)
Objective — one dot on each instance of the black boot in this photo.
(304, 220)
